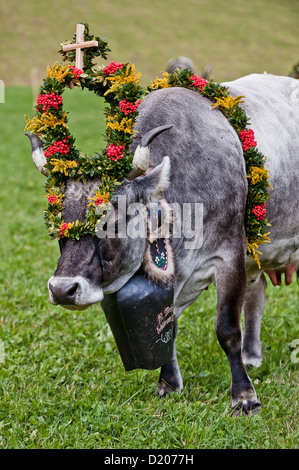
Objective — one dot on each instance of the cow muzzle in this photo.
(74, 293)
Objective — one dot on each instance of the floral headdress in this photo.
(118, 83)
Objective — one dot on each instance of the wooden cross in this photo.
(79, 45)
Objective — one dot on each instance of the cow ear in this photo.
(156, 182)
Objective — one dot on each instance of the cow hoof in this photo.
(252, 365)
(164, 389)
(251, 361)
(247, 407)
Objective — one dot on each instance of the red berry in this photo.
(126, 107)
(52, 199)
(112, 68)
(260, 211)
(114, 152)
(198, 81)
(247, 137)
(58, 147)
(77, 72)
(47, 101)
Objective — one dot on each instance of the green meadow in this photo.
(233, 38)
(62, 382)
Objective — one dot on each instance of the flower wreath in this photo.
(119, 85)
(258, 185)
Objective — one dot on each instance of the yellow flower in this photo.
(252, 247)
(39, 125)
(99, 198)
(125, 125)
(161, 82)
(119, 80)
(58, 71)
(56, 196)
(228, 103)
(257, 174)
(63, 166)
(65, 227)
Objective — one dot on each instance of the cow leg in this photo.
(255, 298)
(170, 379)
(230, 285)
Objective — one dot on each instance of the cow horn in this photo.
(38, 156)
(142, 154)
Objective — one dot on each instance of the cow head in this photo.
(96, 264)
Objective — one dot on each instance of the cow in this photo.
(183, 62)
(199, 158)
(180, 62)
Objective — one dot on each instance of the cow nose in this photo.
(64, 294)
(74, 293)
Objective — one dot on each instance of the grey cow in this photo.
(200, 159)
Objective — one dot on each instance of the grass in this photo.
(62, 383)
(234, 38)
